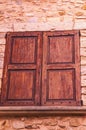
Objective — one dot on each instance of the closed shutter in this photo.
(61, 69)
(42, 69)
(22, 71)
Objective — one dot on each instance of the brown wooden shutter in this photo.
(42, 69)
(22, 70)
(61, 69)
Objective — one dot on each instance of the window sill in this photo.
(31, 111)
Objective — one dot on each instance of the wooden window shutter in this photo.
(61, 69)
(21, 80)
(42, 69)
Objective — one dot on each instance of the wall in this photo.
(41, 15)
(43, 123)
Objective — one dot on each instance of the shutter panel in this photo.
(61, 69)
(22, 71)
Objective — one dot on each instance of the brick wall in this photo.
(42, 15)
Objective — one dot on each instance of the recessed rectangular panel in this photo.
(23, 50)
(21, 85)
(60, 49)
(61, 84)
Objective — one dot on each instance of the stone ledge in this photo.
(31, 111)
